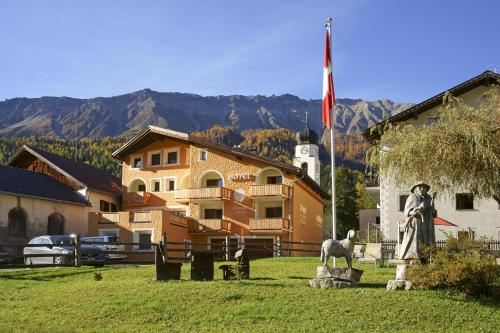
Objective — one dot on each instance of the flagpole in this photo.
(332, 150)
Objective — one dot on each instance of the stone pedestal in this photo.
(400, 283)
(327, 277)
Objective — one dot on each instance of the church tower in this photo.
(307, 153)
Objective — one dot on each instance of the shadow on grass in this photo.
(298, 278)
(46, 276)
(373, 285)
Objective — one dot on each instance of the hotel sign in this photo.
(240, 176)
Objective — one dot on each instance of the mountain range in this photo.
(125, 115)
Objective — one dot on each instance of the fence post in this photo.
(78, 251)
(164, 245)
(280, 247)
(226, 248)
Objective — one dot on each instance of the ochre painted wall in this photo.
(38, 211)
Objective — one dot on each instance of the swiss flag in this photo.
(328, 92)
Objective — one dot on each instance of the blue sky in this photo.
(405, 51)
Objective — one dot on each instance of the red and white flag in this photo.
(328, 92)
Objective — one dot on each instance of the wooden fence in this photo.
(179, 251)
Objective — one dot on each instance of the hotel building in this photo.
(197, 191)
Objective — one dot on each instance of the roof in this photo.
(443, 222)
(36, 185)
(83, 173)
(485, 78)
(153, 133)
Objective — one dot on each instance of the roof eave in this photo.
(481, 79)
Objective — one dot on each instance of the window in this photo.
(304, 167)
(274, 180)
(169, 184)
(55, 224)
(272, 212)
(137, 162)
(141, 188)
(156, 185)
(17, 222)
(103, 206)
(464, 201)
(377, 219)
(172, 157)
(432, 120)
(213, 213)
(145, 241)
(203, 155)
(144, 237)
(114, 207)
(214, 182)
(179, 213)
(402, 202)
(109, 232)
(155, 159)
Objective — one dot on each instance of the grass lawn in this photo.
(276, 299)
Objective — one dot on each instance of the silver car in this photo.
(53, 245)
(96, 243)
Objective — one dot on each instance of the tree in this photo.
(461, 149)
(346, 202)
(364, 200)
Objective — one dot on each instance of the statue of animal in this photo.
(336, 248)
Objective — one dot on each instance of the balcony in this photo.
(207, 226)
(142, 217)
(109, 218)
(136, 198)
(269, 225)
(270, 190)
(202, 193)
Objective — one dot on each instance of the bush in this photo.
(461, 265)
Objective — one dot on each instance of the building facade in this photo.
(100, 191)
(198, 191)
(459, 213)
(34, 204)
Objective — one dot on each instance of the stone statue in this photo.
(338, 249)
(419, 222)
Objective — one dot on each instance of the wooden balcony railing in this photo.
(268, 224)
(136, 198)
(208, 226)
(270, 190)
(141, 217)
(202, 193)
(180, 220)
(109, 218)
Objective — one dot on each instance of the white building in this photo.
(461, 212)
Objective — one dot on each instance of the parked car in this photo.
(106, 249)
(10, 250)
(52, 245)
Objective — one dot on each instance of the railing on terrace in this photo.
(268, 224)
(270, 190)
(208, 225)
(136, 198)
(109, 218)
(203, 193)
(141, 217)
